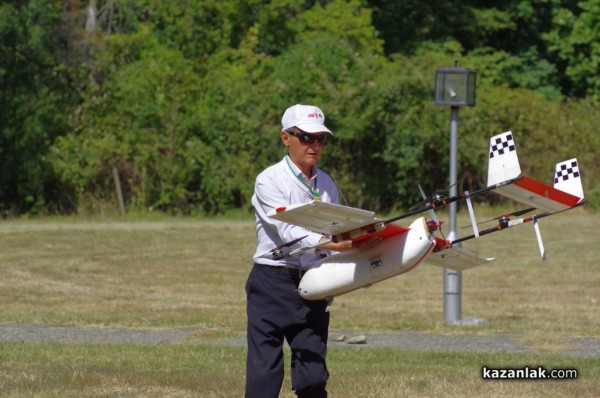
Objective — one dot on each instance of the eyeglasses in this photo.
(308, 139)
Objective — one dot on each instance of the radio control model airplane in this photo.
(404, 248)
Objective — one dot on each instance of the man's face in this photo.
(304, 148)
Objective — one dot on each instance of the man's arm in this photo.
(349, 245)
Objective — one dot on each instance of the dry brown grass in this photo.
(179, 272)
(163, 273)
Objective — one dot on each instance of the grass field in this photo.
(169, 273)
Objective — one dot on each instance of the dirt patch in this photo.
(403, 339)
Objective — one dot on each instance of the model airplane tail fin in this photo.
(504, 170)
(503, 161)
(568, 179)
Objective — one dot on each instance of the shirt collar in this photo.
(297, 170)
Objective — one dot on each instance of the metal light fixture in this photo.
(454, 87)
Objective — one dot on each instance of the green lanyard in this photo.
(314, 191)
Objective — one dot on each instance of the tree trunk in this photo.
(91, 17)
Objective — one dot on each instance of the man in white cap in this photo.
(275, 310)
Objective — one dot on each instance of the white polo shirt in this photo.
(280, 185)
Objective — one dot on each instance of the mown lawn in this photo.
(169, 273)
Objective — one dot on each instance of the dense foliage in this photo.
(183, 99)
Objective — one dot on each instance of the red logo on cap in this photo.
(316, 115)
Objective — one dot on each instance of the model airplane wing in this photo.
(457, 259)
(324, 217)
(341, 222)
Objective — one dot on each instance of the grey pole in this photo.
(452, 278)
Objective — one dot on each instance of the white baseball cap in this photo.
(307, 118)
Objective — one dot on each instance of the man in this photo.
(275, 310)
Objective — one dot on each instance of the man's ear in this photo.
(285, 138)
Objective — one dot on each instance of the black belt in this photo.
(282, 271)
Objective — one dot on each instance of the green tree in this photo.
(196, 28)
(340, 66)
(141, 120)
(184, 98)
(575, 43)
(36, 90)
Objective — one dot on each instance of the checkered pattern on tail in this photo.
(566, 170)
(502, 144)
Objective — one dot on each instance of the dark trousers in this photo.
(276, 312)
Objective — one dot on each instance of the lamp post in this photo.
(454, 87)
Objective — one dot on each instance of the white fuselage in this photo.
(344, 272)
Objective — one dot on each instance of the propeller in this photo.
(432, 201)
(431, 211)
(278, 253)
